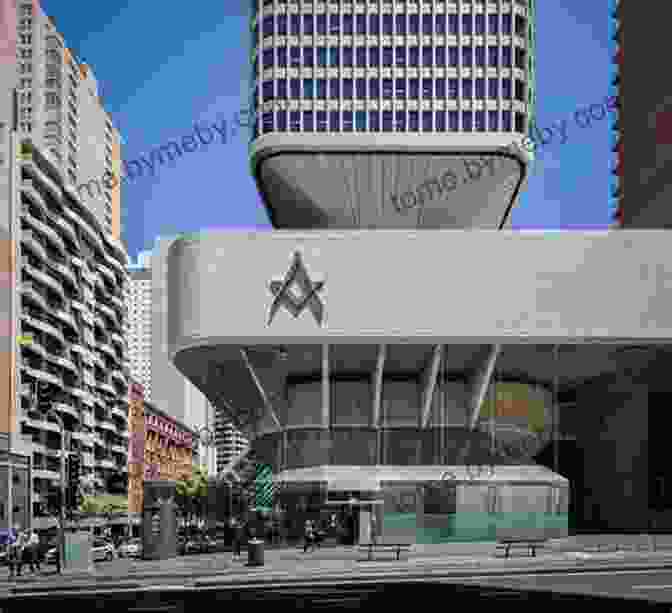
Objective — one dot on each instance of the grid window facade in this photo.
(334, 66)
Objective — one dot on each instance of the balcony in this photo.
(30, 240)
(116, 265)
(118, 302)
(32, 194)
(45, 473)
(123, 449)
(106, 387)
(46, 230)
(106, 463)
(88, 459)
(29, 290)
(45, 327)
(67, 319)
(55, 190)
(120, 413)
(65, 272)
(118, 376)
(41, 424)
(107, 349)
(35, 347)
(108, 274)
(65, 228)
(43, 278)
(91, 232)
(65, 363)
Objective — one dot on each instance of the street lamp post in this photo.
(61, 510)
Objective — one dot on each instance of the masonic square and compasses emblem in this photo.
(295, 301)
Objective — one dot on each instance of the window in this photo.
(452, 56)
(480, 24)
(506, 121)
(294, 88)
(506, 89)
(493, 88)
(267, 89)
(427, 26)
(400, 56)
(452, 121)
(401, 24)
(374, 24)
(360, 121)
(400, 88)
(480, 56)
(440, 89)
(520, 90)
(452, 89)
(467, 24)
(361, 57)
(347, 121)
(267, 26)
(308, 56)
(520, 123)
(400, 121)
(467, 88)
(427, 56)
(414, 56)
(506, 24)
(439, 24)
(282, 89)
(493, 121)
(480, 89)
(374, 56)
(294, 24)
(493, 56)
(427, 88)
(334, 25)
(521, 25)
(308, 88)
(452, 24)
(282, 56)
(267, 60)
(321, 27)
(387, 89)
(348, 27)
(334, 56)
(387, 25)
(480, 121)
(374, 88)
(493, 24)
(282, 25)
(347, 57)
(347, 88)
(467, 121)
(414, 88)
(374, 121)
(322, 56)
(414, 121)
(387, 56)
(467, 56)
(321, 121)
(334, 89)
(295, 56)
(308, 24)
(440, 56)
(361, 24)
(506, 57)
(308, 117)
(414, 24)
(360, 86)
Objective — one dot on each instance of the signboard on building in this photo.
(136, 451)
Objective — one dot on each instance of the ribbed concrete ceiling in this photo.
(389, 190)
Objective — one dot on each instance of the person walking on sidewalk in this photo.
(14, 555)
(34, 550)
(238, 536)
(309, 536)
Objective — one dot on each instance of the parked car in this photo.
(131, 548)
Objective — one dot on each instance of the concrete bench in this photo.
(397, 547)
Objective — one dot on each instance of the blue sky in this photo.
(161, 68)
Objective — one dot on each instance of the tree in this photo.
(192, 495)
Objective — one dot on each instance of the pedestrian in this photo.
(22, 553)
(14, 555)
(238, 536)
(309, 536)
(34, 550)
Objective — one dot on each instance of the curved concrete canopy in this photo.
(366, 181)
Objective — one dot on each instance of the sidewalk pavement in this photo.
(290, 564)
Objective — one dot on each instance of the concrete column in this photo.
(326, 399)
(481, 384)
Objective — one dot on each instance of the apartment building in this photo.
(64, 273)
(230, 442)
(617, 127)
(139, 322)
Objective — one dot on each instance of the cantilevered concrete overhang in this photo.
(359, 180)
(441, 292)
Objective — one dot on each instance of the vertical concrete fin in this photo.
(267, 403)
(326, 396)
(378, 385)
(481, 383)
(431, 374)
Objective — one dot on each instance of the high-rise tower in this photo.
(391, 114)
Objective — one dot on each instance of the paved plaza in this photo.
(343, 563)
